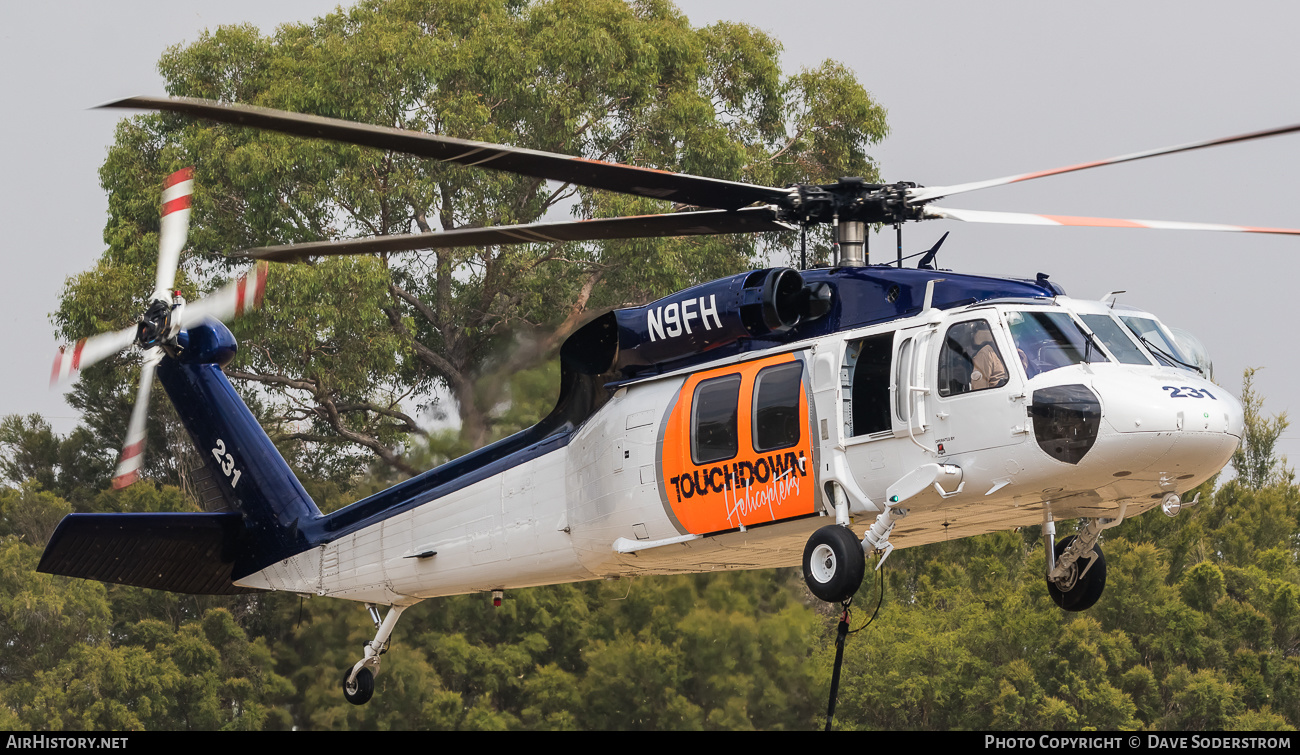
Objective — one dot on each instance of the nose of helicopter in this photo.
(1171, 424)
(1168, 402)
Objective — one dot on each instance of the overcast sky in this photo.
(973, 90)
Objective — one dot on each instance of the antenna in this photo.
(927, 262)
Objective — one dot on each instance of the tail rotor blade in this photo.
(128, 465)
(178, 190)
(71, 360)
(236, 298)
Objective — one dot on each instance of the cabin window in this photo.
(776, 406)
(1112, 335)
(970, 360)
(866, 385)
(714, 436)
(1048, 340)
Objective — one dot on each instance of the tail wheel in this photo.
(359, 691)
(834, 563)
(1078, 591)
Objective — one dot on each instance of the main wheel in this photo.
(359, 691)
(1075, 592)
(833, 563)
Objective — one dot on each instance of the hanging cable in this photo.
(841, 635)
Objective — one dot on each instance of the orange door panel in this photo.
(738, 469)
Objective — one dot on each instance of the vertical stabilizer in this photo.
(277, 514)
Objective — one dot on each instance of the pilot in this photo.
(988, 369)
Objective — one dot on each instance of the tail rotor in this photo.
(164, 318)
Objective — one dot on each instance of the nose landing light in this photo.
(1172, 504)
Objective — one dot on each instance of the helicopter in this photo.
(770, 418)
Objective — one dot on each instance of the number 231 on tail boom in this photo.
(772, 418)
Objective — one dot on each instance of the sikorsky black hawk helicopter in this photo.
(766, 419)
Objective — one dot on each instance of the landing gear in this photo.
(834, 563)
(359, 681)
(1076, 570)
(1081, 583)
(359, 688)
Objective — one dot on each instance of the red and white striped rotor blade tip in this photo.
(1024, 218)
(178, 191)
(926, 193)
(71, 360)
(132, 458)
(239, 297)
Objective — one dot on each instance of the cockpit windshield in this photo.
(1115, 338)
(1152, 336)
(1048, 340)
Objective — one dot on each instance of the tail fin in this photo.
(277, 513)
(272, 518)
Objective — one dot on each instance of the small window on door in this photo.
(776, 406)
(903, 401)
(970, 359)
(714, 436)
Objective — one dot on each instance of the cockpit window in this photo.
(1048, 340)
(1153, 337)
(970, 360)
(1115, 339)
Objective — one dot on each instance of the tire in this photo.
(834, 563)
(360, 691)
(1082, 593)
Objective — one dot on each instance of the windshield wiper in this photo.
(1087, 350)
(1170, 357)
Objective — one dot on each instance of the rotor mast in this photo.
(849, 206)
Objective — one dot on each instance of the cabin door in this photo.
(978, 398)
(910, 383)
(737, 447)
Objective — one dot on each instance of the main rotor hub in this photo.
(849, 206)
(852, 199)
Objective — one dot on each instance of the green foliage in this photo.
(43, 618)
(1256, 460)
(72, 467)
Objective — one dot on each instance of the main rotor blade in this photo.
(924, 194)
(240, 296)
(1023, 218)
(626, 179)
(87, 351)
(177, 193)
(128, 465)
(706, 222)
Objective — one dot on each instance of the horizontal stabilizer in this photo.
(187, 553)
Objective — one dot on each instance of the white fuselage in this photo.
(627, 495)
